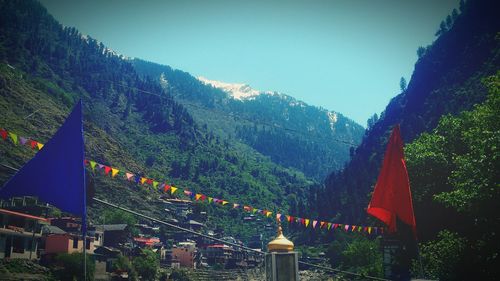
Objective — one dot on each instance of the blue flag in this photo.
(56, 174)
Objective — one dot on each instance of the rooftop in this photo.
(178, 201)
(111, 227)
(219, 246)
(51, 229)
(12, 213)
(193, 222)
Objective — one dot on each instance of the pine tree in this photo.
(402, 84)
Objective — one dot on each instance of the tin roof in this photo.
(12, 213)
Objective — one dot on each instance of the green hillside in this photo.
(449, 121)
(292, 133)
(131, 123)
(447, 79)
(455, 182)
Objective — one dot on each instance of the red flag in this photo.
(3, 133)
(107, 169)
(392, 195)
(33, 144)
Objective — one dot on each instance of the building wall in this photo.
(57, 244)
(22, 249)
(115, 238)
(62, 243)
(19, 247)
(185, 256)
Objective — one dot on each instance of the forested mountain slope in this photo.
(291, 132)
(447, 79)
(131, 123)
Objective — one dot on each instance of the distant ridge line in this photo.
(243, 118)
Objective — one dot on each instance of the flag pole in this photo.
(84, 250)
(419, 259)
(84, 215)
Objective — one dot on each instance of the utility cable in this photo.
(237, 246)
(239, 117)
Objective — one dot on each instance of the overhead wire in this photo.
(237, 246)
(257, 122)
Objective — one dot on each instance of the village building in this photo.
(148, 230)
(178, 207)
(104, 257)
(67, 243)
(68, 224)
(98, 236)
(19, 234)
(27, 205)
(147, 242)
(186, 254)
(113, 235)
(217, 254)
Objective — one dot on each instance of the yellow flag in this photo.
(40, 146)
(143, 180)
(173, 190)
(13, 137)
(268, 214)
(306, 222)
(224, 202)
(114, 172)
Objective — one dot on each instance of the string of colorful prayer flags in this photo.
(168, 188)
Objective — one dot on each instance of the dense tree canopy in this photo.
(455, 180)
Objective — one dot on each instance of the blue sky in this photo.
(346, 56)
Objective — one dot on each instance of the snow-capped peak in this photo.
(332, 116)
(238, 91)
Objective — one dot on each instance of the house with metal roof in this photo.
(19, 234)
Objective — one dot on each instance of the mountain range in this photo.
(447, 79)
(448, 116)
(268, 150)
(259, 148)
(292, 133)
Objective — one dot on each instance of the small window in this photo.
(18, 245)
(87, 244)
(75, 243)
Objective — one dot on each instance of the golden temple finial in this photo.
(280, 243)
